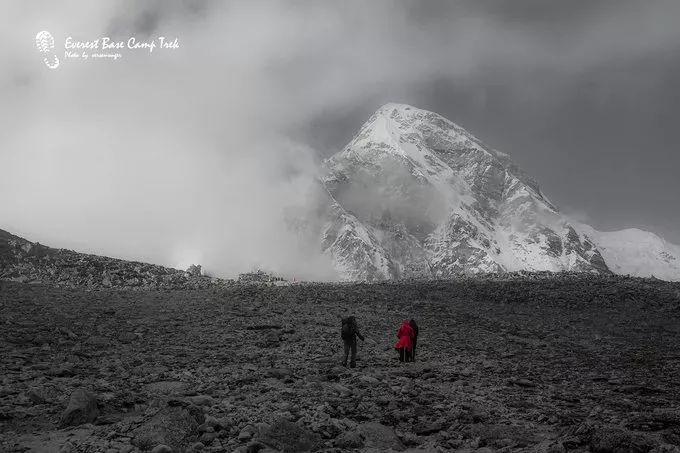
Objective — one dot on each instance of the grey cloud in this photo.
(191, 155)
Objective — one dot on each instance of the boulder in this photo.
(35, 395)
(369, 380)
(161, 449)
(201, 400)
(82, 408)
(349, 440)
(67, 448)
(612, 439)
(176, 427)
(289, 437)
(379, 436)
(246, 433)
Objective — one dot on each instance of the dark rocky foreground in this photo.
(546, 365)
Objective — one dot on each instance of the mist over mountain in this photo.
(190, 156)
(413, 195)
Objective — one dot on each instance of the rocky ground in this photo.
(535, 364)
(24, 261)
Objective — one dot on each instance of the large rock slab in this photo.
(287, 436)
(612, 439)
(82, 408)
(176, 427)
(379, 436)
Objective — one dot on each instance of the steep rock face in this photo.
(414, 195)
(356, 251)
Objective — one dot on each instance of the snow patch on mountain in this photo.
(636, 252)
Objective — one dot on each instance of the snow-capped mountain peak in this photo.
(433, 200)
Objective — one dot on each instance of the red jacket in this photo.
(405, 335)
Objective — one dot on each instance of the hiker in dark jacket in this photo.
(414, 326)
(349, 333)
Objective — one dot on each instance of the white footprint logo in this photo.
(45, 43)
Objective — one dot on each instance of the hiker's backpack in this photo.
(347, 331)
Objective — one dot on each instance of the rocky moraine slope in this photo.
(577, 363)
(31, 262)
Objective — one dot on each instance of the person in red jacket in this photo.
(404, 345)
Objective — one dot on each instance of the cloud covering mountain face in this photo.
(415, 195)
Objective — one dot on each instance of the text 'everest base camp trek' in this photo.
(489, 322)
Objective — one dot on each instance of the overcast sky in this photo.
(186, 155)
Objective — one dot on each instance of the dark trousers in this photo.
(404, 355)
(350, 345)
(413, 352)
